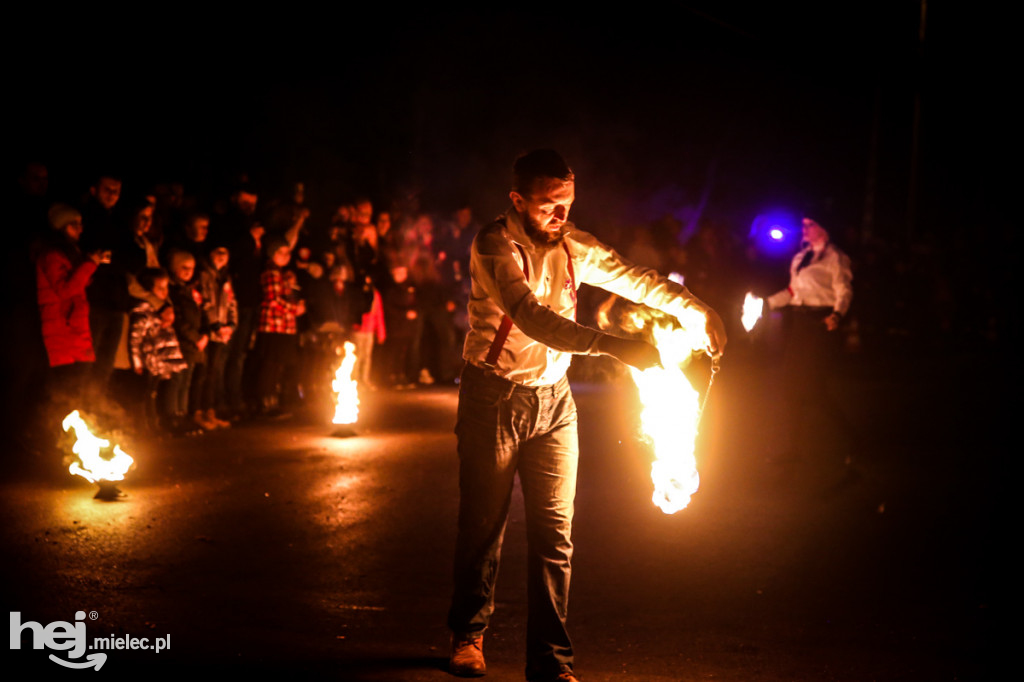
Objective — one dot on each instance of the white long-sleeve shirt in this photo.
(545, 335)
(825, 282)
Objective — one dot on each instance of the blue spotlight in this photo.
(776, 233)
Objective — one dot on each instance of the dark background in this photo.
(777, 105)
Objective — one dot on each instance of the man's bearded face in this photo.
(537, 234)
(546, 210)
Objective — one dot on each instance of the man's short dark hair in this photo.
(538, 164)
(106, 174)
(149, 276)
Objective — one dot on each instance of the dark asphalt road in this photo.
(273, 547)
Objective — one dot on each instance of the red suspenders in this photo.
(572, 277)
(506, 322)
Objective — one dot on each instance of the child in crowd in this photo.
(404, 330)
(153, 346)
(331, 313)
(280, 308)
(193, 338)
(220, 316)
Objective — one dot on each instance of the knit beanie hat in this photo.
(820, 211)
(62, 214)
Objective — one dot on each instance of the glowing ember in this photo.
(347, 389)
(91, 464)
(753, 308)
(671, 413)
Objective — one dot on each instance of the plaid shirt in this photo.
(280, 302)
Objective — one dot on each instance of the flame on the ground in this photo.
(671, 411)
(753, 308)
(346, 410)
(92, 464)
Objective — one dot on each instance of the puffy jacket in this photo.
(153, 347)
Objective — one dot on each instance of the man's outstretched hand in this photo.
(639, 354)
(715, 329)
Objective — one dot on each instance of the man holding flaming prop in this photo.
(819, 281)
(516, 412)
(818, 297)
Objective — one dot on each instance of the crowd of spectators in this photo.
(193, 313)
(190, 315)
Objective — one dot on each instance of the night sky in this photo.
(759, 107)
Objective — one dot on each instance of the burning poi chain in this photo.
(672, 410)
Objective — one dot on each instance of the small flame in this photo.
(91, 465)
(753, 308)
(671, 412)
(347, 389)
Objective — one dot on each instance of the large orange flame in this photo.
(671, 410)
(753, 308)
(91, 464)
(346, 410)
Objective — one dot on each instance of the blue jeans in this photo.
(503, 429)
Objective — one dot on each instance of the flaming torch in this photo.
(753, 308)
(346, 410)
(91, 463)
(671, 411)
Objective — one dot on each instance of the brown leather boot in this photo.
(467, 659)
(200, 420)
(211, 416)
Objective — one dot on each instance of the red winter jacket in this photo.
(63, 308)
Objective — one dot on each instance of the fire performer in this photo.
(516, 412)
(818, 296)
